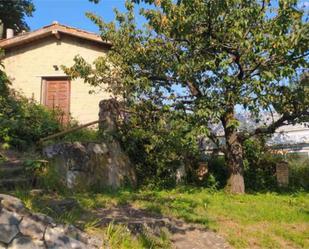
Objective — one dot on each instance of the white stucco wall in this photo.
(291, 139)
(287, 139)
(27, 64)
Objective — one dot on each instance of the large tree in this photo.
(210, 58)
(13, 12)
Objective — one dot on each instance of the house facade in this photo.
(33, 62)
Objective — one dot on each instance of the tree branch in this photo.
(286, 119)
(214, 138)
(195, 91)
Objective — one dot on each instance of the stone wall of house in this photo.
(27, 64)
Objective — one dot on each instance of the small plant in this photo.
(34, 168)
(84, 135)
(150, 240)
(44, 175)
(3, 158)
(35, 165)
(120, 237)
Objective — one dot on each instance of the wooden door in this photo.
(57, 97)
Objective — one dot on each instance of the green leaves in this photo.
(17, 10)
(198, 61)
(227, 52)
(94, 1)
(22, 122)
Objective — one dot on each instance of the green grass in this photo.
(119, 237)
(262, 220)
(254, 220)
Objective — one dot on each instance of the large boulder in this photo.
(84, 165)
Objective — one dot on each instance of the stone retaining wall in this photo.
(86, 165)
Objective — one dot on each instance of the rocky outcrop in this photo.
(85, 165)
(21, 229)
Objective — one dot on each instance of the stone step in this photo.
(11, 170)
(11, 163)
(12, 183)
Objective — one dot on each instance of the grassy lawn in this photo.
(264, 220)
(249, 221)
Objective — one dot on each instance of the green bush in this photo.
(298, 172)
(22, 121)
(218, 172)
(83, 135)
(260, 166)
(44, 175)
(158, 143)
(49, 179)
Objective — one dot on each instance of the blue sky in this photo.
(72, 12)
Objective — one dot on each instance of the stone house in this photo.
(33, 60)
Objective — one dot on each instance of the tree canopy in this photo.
(13, 13)
(210, 59)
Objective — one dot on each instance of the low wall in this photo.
(85, 165)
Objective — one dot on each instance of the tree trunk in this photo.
(233, 155)
(234, 159)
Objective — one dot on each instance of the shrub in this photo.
(22, 121)
(158, 144)
(83, 135)
(260, 166)
(218, 172)
(298, 172)
(44, 175)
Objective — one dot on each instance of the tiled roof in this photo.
(55, 29)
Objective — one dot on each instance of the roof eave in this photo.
(36, 35)
(97, 40)
(16, 41)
